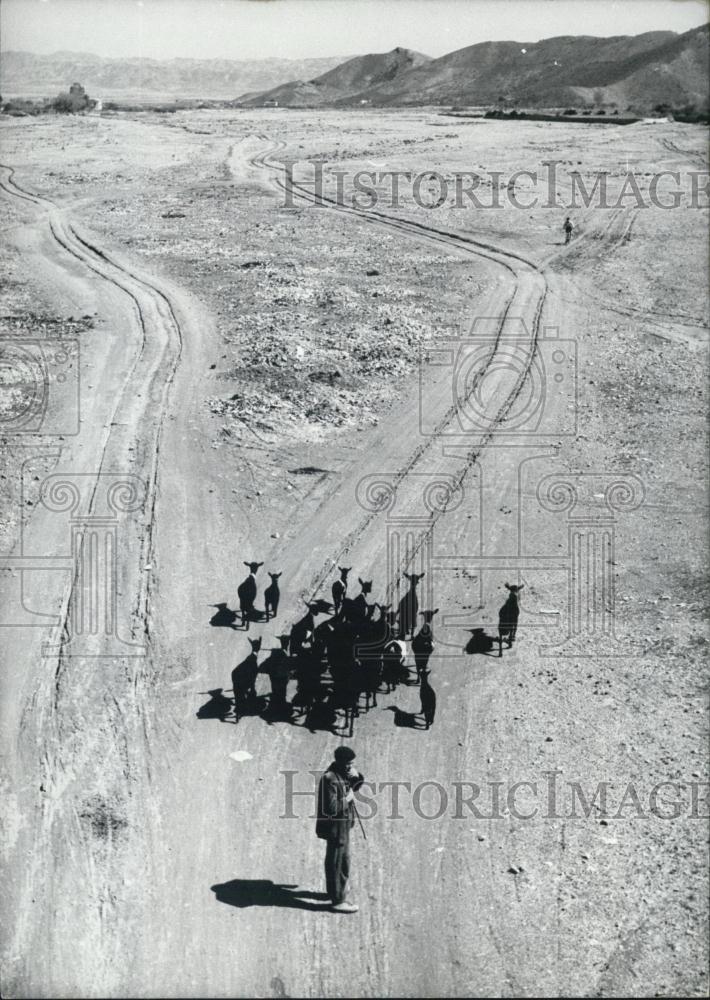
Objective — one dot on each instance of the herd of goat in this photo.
(362, 646)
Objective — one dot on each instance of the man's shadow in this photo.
(243, 892)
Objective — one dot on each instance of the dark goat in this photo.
(394, 652)
(302, 631)
(358, 608)
(508, 617)
(423, 642)
(272, 595)
(371, 644)
(278, 669)
(340, 587)
(244, 678)
(409, 606)
(427, 697)
(246, 592)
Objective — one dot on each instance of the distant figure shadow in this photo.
(218, 707)
(242, 892)
(223, 617)
(480, 643)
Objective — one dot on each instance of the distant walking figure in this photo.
(427, 697)
(508, 618)
(340, 587)
(336, 817)
(246, 592)
(271, 596)
(568, 227)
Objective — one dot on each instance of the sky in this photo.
(297, 29)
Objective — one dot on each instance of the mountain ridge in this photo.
(627, 72)
(27, 74)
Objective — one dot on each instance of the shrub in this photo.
(76, 99)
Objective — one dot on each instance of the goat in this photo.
(346, 695)
(340, 650)
(359, 606)
(409, 606)
(340, 587)
(244, 678)
(508, 617)
(278, 669)
(302, 631)
(370, 649)
(427, 697)
(394, 654)
(272, 595)
(321, 638)
(423, 642)
(246, 592)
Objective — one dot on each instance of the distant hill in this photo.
(627, 71)
(346, 80)
(638, 71)
(25, 74)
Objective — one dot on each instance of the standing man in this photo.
(568, 227)
(336, 816)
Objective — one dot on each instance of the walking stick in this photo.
(358, 819)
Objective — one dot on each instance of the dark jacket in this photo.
(335, 815)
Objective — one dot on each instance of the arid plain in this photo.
(273, 374)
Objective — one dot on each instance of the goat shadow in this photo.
(243, 892)
(242, 624)
(218, 707)
(480, 643)
(404, 720)
(223, 617)
(250, 706)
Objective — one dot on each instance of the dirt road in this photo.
(157, 883)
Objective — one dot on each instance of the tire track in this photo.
(65, 754)
(138, 290)
(524, 271)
